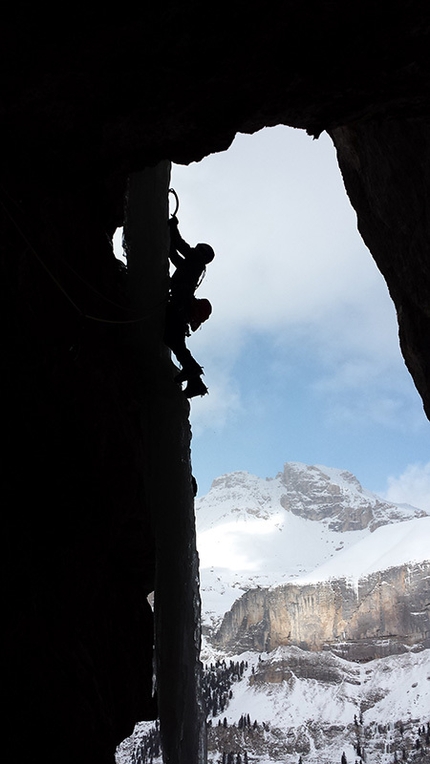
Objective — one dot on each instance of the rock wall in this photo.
(377, 191)
(163, 419)
(284, 666)
(386, 612)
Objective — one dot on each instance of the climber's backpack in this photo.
(200, 312)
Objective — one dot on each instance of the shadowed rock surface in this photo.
(92, 420)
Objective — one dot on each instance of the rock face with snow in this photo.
(312, 559)
(385, 614)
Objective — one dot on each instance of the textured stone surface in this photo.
(323, 667)
(90, 96)
(383, 164)
(383, 614)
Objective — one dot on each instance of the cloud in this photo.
(290, 264)
(411, 487)
(360, 387)
(222, 404)
(287, 249)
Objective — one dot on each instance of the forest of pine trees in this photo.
(216, 686)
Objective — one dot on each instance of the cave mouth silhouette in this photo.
(93, 108)
(374, 277)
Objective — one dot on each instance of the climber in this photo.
(184, 311)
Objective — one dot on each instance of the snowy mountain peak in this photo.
(265, 532)
(313, 492)
(239, 494)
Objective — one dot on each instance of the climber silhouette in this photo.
(184, 311)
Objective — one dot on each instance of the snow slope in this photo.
(320, 715)
(396, 687)
(388, 546)
(316, 720)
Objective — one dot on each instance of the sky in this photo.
(301, 354)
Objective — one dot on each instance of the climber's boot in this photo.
(195, 386)
(188, 372)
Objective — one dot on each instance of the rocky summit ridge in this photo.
(336, 496)
(314, 492)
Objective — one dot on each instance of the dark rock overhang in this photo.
(129, 85)
(91, 94)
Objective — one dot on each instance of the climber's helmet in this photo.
(206, 252)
